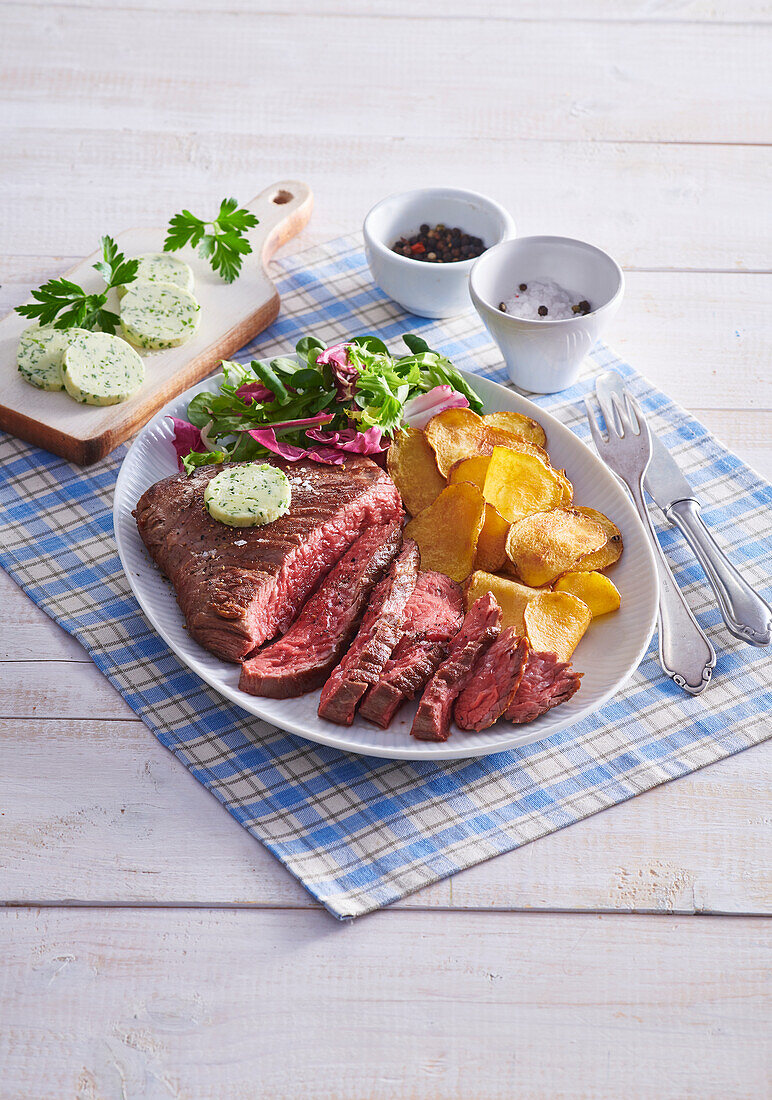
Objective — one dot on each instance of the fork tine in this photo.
(634, 413)
(597, 434)
(621, 420)
(604, 400)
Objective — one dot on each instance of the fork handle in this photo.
(685, 652)
(745, 613)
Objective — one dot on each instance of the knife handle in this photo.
(685, 652)
(745, 613)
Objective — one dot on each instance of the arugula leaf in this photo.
(221, 241)
(201, 458)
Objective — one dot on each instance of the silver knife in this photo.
(747, 616)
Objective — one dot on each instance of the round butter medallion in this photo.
(248, 495)
(100, 369)
(158, 315)
(160, 267)
(40, 355)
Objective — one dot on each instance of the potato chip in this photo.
(511, 596)
(607, 554)
(568, 489)
(492, 543)
(555, 623)
(544, 545)
(471, 469)
(413, 469)
(597, 591)
(518, 485)
(522, 427)
(460, 433)
(447, 531)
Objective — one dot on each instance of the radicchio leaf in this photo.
(346, 375)
(254, 391)
(368, 442)
(267, 438)
(419, 410)
(186, 438)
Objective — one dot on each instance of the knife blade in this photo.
(747, 616)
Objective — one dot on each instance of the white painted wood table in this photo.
(151, 948)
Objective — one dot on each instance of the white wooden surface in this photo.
(151, 947)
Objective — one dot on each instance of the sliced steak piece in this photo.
(495, 679)
(380, 631)
(239, 586)
(303, 659)
(432, 619)
(481, 626)
(546, 683)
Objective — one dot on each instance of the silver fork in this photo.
(685, 653)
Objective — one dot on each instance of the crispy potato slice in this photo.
(607, 554)
(520, 484)
(511, 596)
(471, 469)
(447, 531)
(413, 469)
(568, 489)
(555, 623)
(544, 545)
(492, 543)
(598, 592)
(523, 427)
(460, 433)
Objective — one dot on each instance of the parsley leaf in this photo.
(222, 241)
(64, 304)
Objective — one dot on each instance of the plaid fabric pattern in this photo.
(360, 833)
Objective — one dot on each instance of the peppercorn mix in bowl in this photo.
(462, 224)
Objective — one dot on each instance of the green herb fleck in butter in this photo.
(248, 496)
(101, 370)
(158, 315)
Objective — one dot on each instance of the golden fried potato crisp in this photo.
(598, 592)
(520, 484)
(447, 531)
(555, 623)
(460, 433)
(471, 469)
(492, 543)
(511, 596)
(523, 427)
(607, 554)
(544, 545)
(413, 469)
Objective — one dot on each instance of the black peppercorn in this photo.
(543, 311)
(524, 286)
(503, 307)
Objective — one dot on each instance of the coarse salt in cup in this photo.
(544, 355)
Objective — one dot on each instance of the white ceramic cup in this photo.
(545, 356)
(430, 289)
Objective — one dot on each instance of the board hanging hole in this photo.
(282, 197)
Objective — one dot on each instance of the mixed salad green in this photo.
(348, 398)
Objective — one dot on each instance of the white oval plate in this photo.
(607, 655)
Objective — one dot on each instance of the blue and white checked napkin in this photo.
(360, 833)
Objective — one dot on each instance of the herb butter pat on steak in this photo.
(248, 496)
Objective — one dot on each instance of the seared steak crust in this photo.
(302, 660)
(495, 679)
(238, 587)
(380, 631)
(546, 683)
(481, 626)
(432, 618)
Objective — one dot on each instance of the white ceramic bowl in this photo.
(545, 356)
(429, 289)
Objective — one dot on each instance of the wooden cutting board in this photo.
(231, 315)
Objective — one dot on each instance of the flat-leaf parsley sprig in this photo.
(64, 304)
(223, 241)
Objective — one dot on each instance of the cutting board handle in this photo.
(283, 209)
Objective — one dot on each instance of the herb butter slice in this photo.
(40, 355)
(248, 496)
(160, 267)
(100, 369)
(158, 315)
